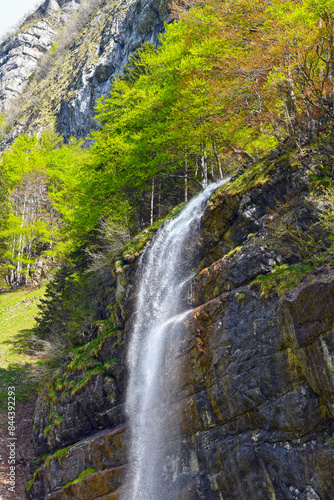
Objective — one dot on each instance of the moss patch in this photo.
(81, 476)
(59, 456)
(257, 175)
(282, 279)
(86, 379)
(55, 421)
(110, 363)
(231, 253)
(31, 481)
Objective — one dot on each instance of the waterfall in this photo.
(151, 406)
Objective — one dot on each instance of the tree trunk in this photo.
(152, 202)
(204, 168)
(216, 155)
(196, 169)
(185, 178)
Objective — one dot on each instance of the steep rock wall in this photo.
(257, 379)
(21, 52)
(76, 76)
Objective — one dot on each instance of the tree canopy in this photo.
(227, 82)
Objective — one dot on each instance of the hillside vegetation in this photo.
(233, 89)
(228, 84)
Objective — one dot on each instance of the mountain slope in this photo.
(21, 52)
(68, 54)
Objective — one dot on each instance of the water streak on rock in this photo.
(153, 355)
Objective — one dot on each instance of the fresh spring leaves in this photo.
(227, 82)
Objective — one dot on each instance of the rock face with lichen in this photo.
(257, 380)
(65, 56)
(21, 52)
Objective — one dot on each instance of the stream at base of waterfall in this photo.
(152, 406)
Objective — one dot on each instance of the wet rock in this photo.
(81, 402)
(307, 320)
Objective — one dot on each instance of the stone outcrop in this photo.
(84, 397)
(93, 42)
(251, 415)
(22, 51)
(307, 320)
(257, 376)
(102, 454)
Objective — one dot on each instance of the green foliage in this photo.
(225, 80)
(44, 178)
(138, 242)
(64, 312)
(228, 81)
(81, 476)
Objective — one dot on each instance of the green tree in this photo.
(4, 210)
(43, 190)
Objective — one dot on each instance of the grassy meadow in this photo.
(18, 310)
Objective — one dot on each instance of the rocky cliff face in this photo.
(21, 52)
(92, 43)
(257, 380)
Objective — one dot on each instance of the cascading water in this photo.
(154, 471)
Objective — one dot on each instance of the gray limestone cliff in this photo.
(22, 51)
(65, 56)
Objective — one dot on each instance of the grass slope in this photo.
(17, 312)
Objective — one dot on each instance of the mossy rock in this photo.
(282, 279)
(81, 476)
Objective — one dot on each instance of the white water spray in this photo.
(154, 472)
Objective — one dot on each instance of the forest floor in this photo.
(19, 374)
